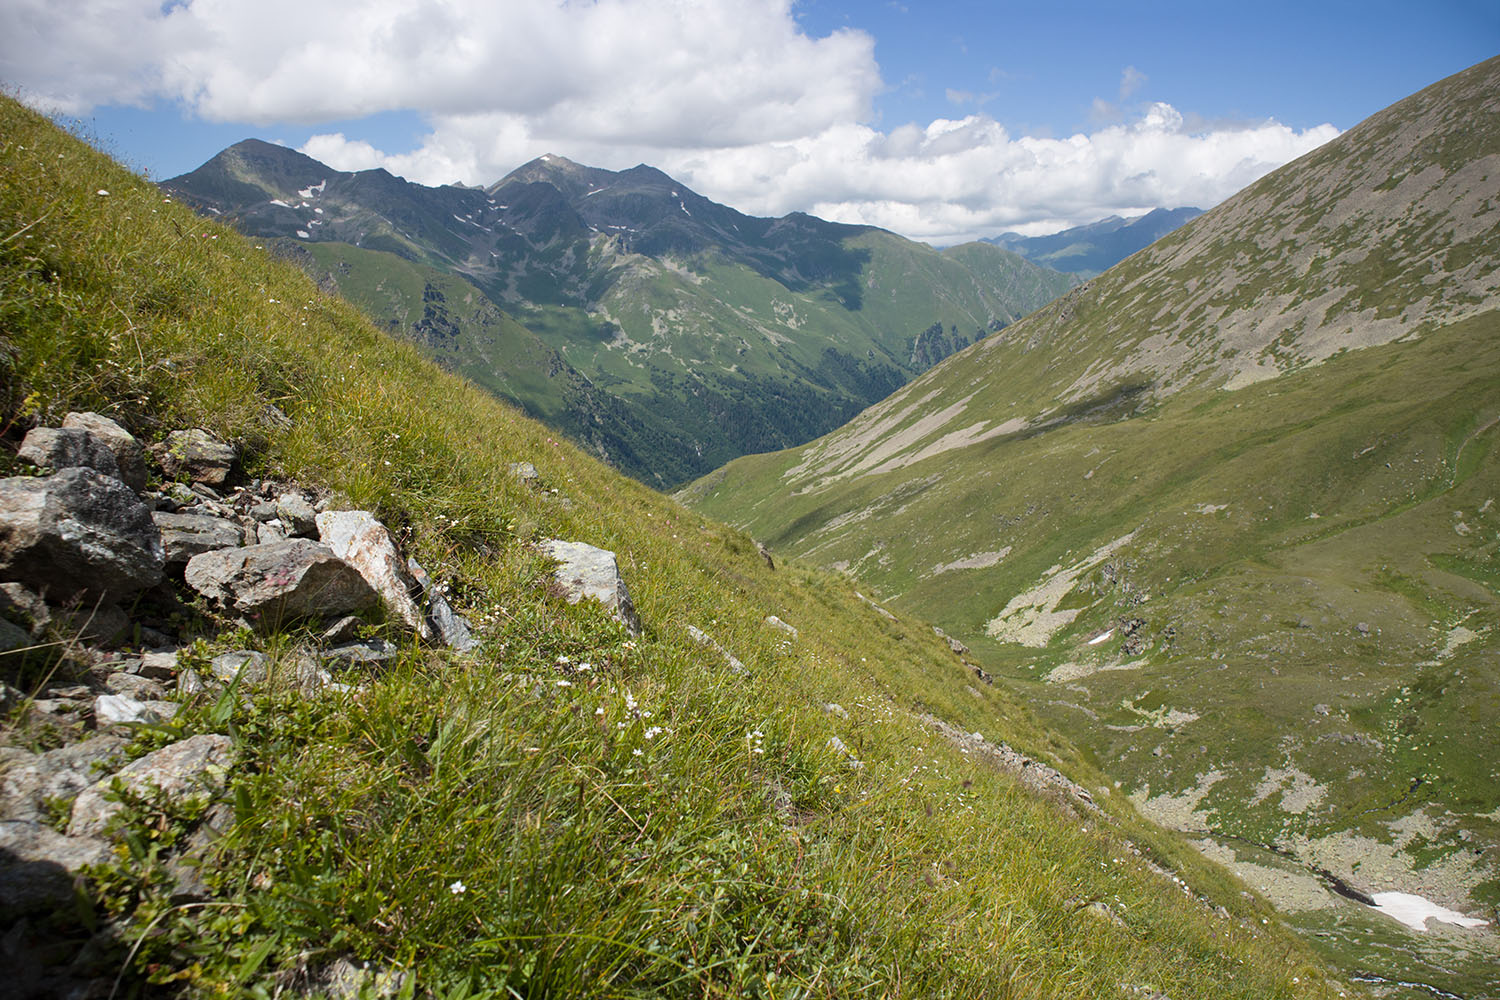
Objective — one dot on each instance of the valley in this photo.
(1226, 516)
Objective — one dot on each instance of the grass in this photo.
(649, 825)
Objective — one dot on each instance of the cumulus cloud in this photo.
(732, 97)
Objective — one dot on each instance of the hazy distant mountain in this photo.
(668, 332)
(1098, 246)
(1229, 515)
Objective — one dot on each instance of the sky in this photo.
(943, 120)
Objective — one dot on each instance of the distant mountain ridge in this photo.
(1098, 246)
(665, 331)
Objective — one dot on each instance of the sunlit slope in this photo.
(1227, 513)
(719, 846)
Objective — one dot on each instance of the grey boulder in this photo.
(130, 456)
(297, 578)
(450, 626)
(198, 455)
(584, 571)
(186, 535)
(60, 448)
(78, 533)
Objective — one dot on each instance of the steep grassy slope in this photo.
(691, 333)
(730, 852)
(1226, 515)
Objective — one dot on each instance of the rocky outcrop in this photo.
(77, 533)
(280, 582)
(356, 537)
(584, 571)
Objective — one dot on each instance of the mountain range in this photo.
(1098, 246)
(1227, 515)
(664, 331)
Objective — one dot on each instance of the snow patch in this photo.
(1414, 911)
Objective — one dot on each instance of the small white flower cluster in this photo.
(652, 733)
(757, 740)
(458, 888)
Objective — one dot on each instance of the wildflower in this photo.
(653, 732)
(458, 888)
(564, 684)
(599, 710)
(635, 753)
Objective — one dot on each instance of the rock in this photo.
(879, 610)
(702, 638)
(343, 630)
(269, 532)
(450, 626)
(765, 554)
(38, 866)
(135, 686)
(369, 651)
(837, 745)
(159, 666)
(30, 781)
(359, 539)
(198, 455)
(186, 535)
(953, 643)
(101, 623)
(130, 456)
(78, 533)
(13, 637)
(775, 622)
(265, 511)
(59, 448)
(835, 708)
(281, 581)
(344, 980)
(586, 571)
(525, 472)
(119, 709)
(297, 515)
(191, 767)
(244, 665)
(20, 606)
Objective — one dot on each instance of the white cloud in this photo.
(730, 96)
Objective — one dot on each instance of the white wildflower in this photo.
(458, 888)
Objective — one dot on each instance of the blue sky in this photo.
(941, 120)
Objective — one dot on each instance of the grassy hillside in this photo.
(730, 852)
(1226, 516)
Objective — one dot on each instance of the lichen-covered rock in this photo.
(188, 768)
(130, 456)
(122, 709)
(38, 867)
(185, 535)
(586, 571)
(356, 537)
(78, 533)
(59, 448)
(275, 583)
(196, 454)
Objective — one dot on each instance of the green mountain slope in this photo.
(572, 811)
(692, 333)
(1227, 515)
